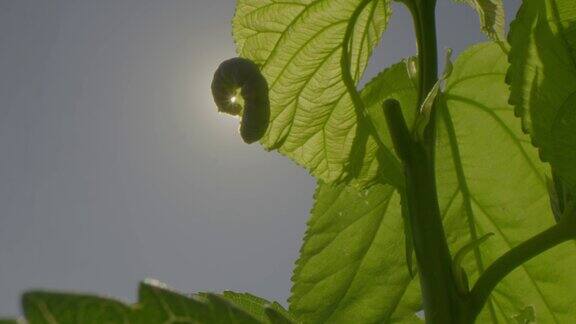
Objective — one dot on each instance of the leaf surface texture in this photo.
(298, 45)
(156, 304)
(491, 180)
(352, 267)
(542, 76)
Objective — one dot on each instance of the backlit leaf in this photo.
(156, 304)
(298, 44)
(352, 267)
(492, 17)
(543, 80)
(491, 180)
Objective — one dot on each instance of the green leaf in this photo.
(279, 317)
(526, 316)
(542, 76)
(45, 307)
(260, 308)
(490, 179)
(352, 267)
(374, 161)
(376, 272)
(299, 46)
(492, 17)
(157, 304)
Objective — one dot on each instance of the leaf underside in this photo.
(492, 17)
(490, 180)
(374, 163)
(352, 266)
(298, 45)
(156, 304)
(542, 77)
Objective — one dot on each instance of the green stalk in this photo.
(441, 301)
(439, 292)
(424, 18)
(497, 271)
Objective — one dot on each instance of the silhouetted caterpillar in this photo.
(244, 75)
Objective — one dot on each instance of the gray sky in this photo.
(116, 167)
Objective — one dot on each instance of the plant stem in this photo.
(423, 14)
(440, 297)
(441, 301)
(514, 258)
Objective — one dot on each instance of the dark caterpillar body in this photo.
(243, 74)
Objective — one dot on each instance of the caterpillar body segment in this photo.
(240, 74)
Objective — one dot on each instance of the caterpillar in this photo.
(242, 74)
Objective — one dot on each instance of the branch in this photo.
(514, 258)
(401, 139)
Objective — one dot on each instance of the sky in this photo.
(116, 167)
